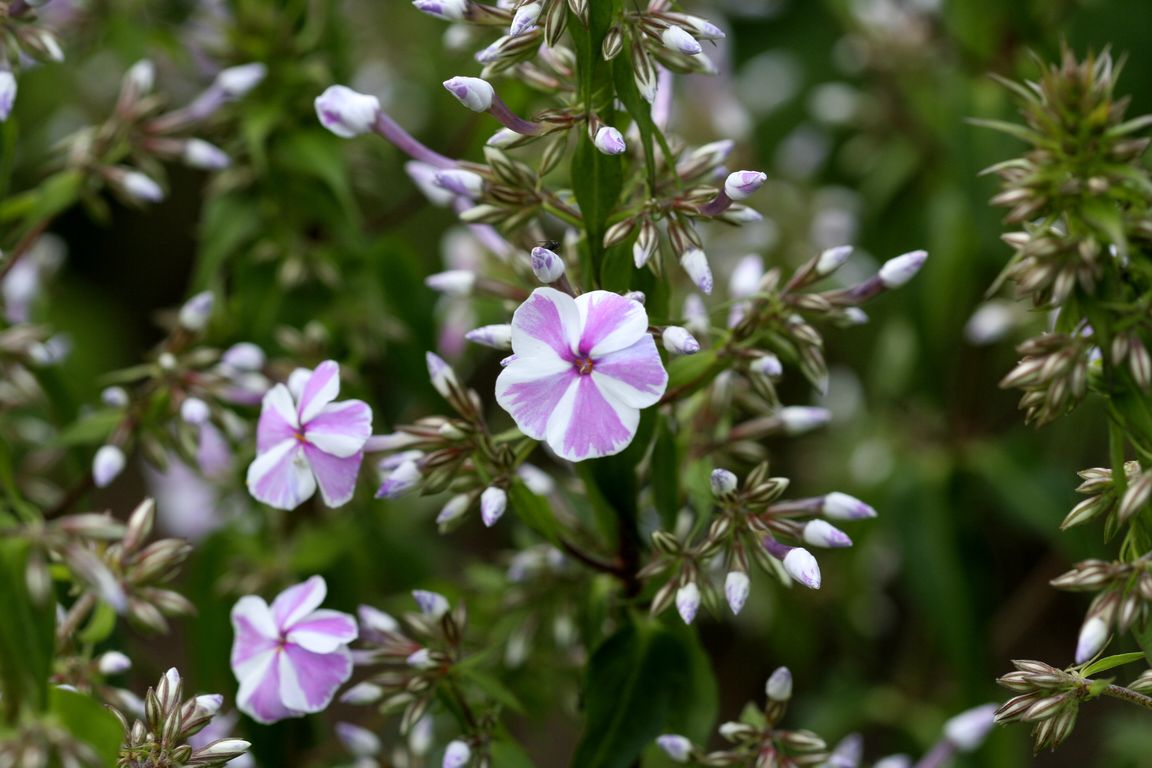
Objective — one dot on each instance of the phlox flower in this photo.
(305, 440)
(581, 371)
(291, 657)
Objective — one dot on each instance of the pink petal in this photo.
(585, 425)
(320, 389)
(530, 388)
(547, 325)
(277, 418)
(323, 631)
(281, 477)
(308, 680)
(633, 376)
(260, 691)
(340, 429)
(336, 476)
(255, 633)
(296, 602)
(609, 322)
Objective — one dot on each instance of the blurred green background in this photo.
(857, 110)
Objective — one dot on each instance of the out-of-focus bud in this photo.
(802, 567)
(723, 482)
(537, 480)
(832, 259)
(503, 138)
(525, 19)
(894, 761)
(1093, 636)
(42, 44)
(236, 82)
(820, 533)
(695, 263)
(493, 502)
(442, 376)
(376, 620)
(745, 279)
(495, 336)
(742, 184)
(113, 663)
(421, 659)
(360, 742)
(610, 141)
(898, 271)
(677, 747)
(454, 282)
(779, 685)
(798, 419)
(346, 112)
(138, 187)
(205, 156)
(967, 730)
(362, 693)
(196, 311)
(678, 39)
(713, 153)
(454, 509)
(114, 397)
(767, 365)
(194, 411)
(547, 265)
(140, 77)
(688, 601)
(7, 93)
(449, 10)
(209, 703)
(107, 465)
(431, 604)
(462, 183)
(244, 356)
(679, 341)
(841, 506)
(402, 480)
(701, 28)
(472, 92)
(423, 176)
(736, 588)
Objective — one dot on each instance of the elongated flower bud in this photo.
(236, 82)
(832, 259)
(679, 341)
(898, 271)
(205, 156)
(819, 533)
(610, 141)
(525, 19)
(841, 506)
(441, 374)
(462, 183)
(376, 620)
(402, 480)
(449, 10)
(736, 588)
(454, 282)
(196, 312)
(114, 663)
(431, 604)
(678, 39)
(802, 567)
(360, 742)
(742, 184)
(967, 730)
(495, 336)
(107, 465)
(472, 92)
(677, 747)
(767, 365)
(7, 93)
(138, 187)
(798, 419)
(547, 265)
(779, 685)
(695, 263)
(1093, 636)
(688, 601)
(493, 502)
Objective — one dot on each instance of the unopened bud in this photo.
(679, 341)
(222, 747)
(736, 588)
(449, 10)
(741, 184)
(493, 502)
(645, 244)
(7, 93)
(695, 263)
(723, 482)
(360, 742)
(546, 265)
(767, 365)
(454, 509)
(209, 703)
(1093, 636)
(967, 730)
(495, 336)
(454, 282)
(678, 39)
(401, 480)
(244, 356)
(196, 311)
(677, 747)
(140, 188)
(113, 663)
(362, 693)
(431, 604)
(898, 271)
(460, 182)
(779, 685)
(107, 465)
(205, 155)
(472, 92)
(236, 82)
(799, 419)
(456, 755)
(688, 601)
(140, 77)
(114, 397)
(610, 141)
(525, 19)
(819, 533)
(802, 567)
(376, 620)
(832, 259)
(442, 376)
(194, 411)
(841, 506)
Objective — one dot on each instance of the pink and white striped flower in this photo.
(581, 371)
(305, 440)
(290, 657)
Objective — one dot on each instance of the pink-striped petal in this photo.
(254, 633)
(308, 680)
(295, 603)
(609, 322)
(259, 696)
(546, 326)
(296, 381)
(336, 476)
(323, 631)
(530, 388)
(633, 376)
(281, 477)
(340, 429)
(585, 425)
(320, 389)
(278, 420)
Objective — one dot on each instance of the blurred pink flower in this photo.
(581, 371)
(290, 658)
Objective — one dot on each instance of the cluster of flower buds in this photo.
(751, 525)
(25, 39)
(1053, 374)
(43, 743)
(1106, 500)
(167, 731)
(1124, 592)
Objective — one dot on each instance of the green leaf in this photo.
(666, 475)
(91, 429)
(1111, 662)
(508, 754)
(88, 721)
(534, 512)
(691, 372)
(100, 626)
(27, 634)
(492, 686)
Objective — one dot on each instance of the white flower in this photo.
(346, 112)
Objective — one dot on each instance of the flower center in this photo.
(584, 365)
(300, 436)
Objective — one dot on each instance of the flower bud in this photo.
(767, 365)
(967, 730)
(222, 747)
(360, 742)
(472, 92)
(456, 755)
(779, 685)
(7, 93)
(802, 567)
(819, 533)
(376, 620)
(894, 761)
(646, 243)
(454, 282)
(236, 82)
(113, 663)
(454, 509)
(610, 141)
(503, 138)
(362, 693)
(832, 259)
(140, 188)
(736, 588)
(194, 411)
(140, 77)
(442, 376)
(209, 703)
(205, 156)
(695, 263)
(896, 272)
(449, 10)
(677, 747)
(493, 502)
(723, 482)
(107, 465)
(495, 336)
(421, 659)
(461, 183)
(525, 19)
(346, 112)
(679, 341)
(547, 265)
(798, 419)
(431, 604)
(678, 39)
(688, 601)
(1093, 636)
(402, 480)
(841, 506)
(196, 311)
(244, 356)
(741, 184)
(537, 480)
(114, 397)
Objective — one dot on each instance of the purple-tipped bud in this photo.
(114, 397)
(854, 316)
(493, 502)
(832, 259)
(140, 188)
(225, 749)
(610, 141)
(798, 419)
(736, 588)
(547, 265)
(472, 92)
(1093, 636)
(841, 506)
(113, 663)
(209, 703)
(677, 747)
(779, 685)
(346, 112)
(456, 755)
(7, 93)
(454, 282)
(525, 19)
(895, 272)
(421, 659)
(205, 156)
(678, 39)
(442, 376)
(688, 601)
(723, 482)
(767, 365)
(695, 263)
(503, 138)
(431, 604)
(702, 28)
(742, 184)
(449, 10)
(195, 313)
(820, 533)
(236, 82)
(679, 341)
(713, 153)
(244, 356)
(376, 620)
(402, 480)
(967, 730)
(495, 336)
(537, 480)
(107, 465)
(462, 183)
(454, 509)
(424, 176)
(194, 411)
(802, 567)
(360, 742)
